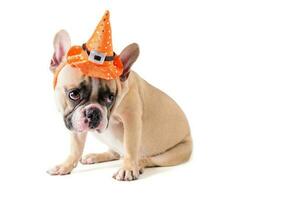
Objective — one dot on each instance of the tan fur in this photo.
(151, 127)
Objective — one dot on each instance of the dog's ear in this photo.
(128, 56)
(61, 45)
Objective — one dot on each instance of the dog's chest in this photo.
(113, 136)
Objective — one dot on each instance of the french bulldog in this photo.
(138, 122)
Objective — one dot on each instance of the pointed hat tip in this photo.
(106, 13)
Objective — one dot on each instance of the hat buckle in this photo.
(97, 57)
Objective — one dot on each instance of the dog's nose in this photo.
(94, 116)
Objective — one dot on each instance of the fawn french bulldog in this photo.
(138, 122)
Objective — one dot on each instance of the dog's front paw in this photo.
(62, 169)
(93, 158)
(89, 159)
(128, 174)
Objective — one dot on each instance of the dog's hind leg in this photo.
(99, 157)
(173, 156)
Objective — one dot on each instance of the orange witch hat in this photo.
(96, 57)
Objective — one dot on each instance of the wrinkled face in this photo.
(86, 103)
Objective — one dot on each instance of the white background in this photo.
(229, 65)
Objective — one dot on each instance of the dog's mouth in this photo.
(101, 127)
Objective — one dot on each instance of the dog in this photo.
(137, 121)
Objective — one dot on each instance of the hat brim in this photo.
(77, 57)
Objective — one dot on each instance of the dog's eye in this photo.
(74, 95)
(109, 98)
